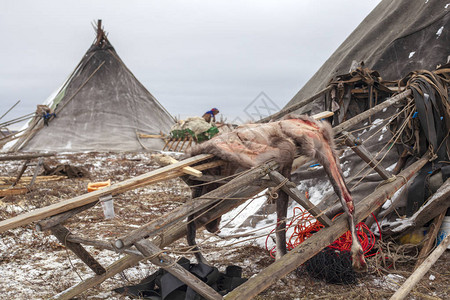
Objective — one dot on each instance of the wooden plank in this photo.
(412, 280)
(431, 209)
(132, 183)
(366, 114)
(22, 170)
(323, 238)
(13, 191)
(151, 136)
(157, 257)
(118, 266)
(291, 190)
(430, 238)
(61, 233)
(165, 160)
(62, 217)
(234, 186)
(36, 171)
(25, 156)
(173, 233)
(362, 152)
(323, 115)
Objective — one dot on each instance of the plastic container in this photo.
(444, 230)
(107, 203)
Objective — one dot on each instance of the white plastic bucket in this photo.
(108, 206)
(444, 230)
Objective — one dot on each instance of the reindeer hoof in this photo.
(359, 264)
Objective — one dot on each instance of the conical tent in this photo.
(397, 37)
(101, 107)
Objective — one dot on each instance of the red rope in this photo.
(305, 225)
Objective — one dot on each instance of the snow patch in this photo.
(439, 32)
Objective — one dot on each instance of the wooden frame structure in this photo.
(148, 241)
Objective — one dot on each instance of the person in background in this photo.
(210, 115)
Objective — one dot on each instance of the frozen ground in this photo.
(34, 265)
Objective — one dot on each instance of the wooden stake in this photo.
(412, 280)
(22, 170)
(61, 233)
(430, 238)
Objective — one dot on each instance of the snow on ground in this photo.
(34, 265)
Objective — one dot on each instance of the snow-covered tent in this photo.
(101, 107)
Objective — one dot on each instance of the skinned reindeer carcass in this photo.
(253, 144)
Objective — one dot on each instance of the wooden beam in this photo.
(412, 280)
(433, 231)
(431, 209)
(25, 156)
(36, 171)
(151, 136)
(323, 115)
(22, 170)
(366, 114)
(172, 234)
(100, 245)
(362, 152)
(61, 233)
(165, 160)
(157, 257)
(321, 239)
(117, 188)
(227, 190)
(290, 189)
(62, 217)
(13, 191)
(118, 266)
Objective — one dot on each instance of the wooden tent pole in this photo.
(61, 233)
(412, 280)
(364, 115)
(321, 239)
(430, 238)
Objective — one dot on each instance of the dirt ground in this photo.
(34, 265)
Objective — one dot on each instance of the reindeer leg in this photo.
(358, 262)
(282, 206)
(191, 233)
(330, 162)
(282, 203)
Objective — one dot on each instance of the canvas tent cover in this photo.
(101, 107)
(396, 38)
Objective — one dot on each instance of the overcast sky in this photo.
(191, 55)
